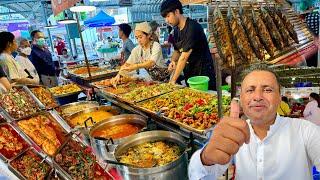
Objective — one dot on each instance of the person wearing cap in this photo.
(147, 55)
(266, 145)
(191, 50)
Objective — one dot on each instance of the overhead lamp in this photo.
(68, 21)
(83, 8)
(50, 26)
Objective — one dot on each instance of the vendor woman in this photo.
(147, 54)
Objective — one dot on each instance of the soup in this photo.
(117, 131)
(97, 116)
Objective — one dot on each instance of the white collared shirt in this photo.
(290, 149)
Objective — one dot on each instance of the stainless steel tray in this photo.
(17, 173)
(105, 167)
(29, 87)
(144, 99)
(37, 102)
(29, 139)
(20, 139)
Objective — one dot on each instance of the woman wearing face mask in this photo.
(12, 69)
(147, 54)
(25, 51)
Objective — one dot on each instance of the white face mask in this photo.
(26, 51)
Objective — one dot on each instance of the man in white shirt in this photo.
(25, 63)
(266, 146)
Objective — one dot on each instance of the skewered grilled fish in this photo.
(263, 33)
(276, 36)
(222, 38)
(247, 22)
(282, 29)
(289, 26)
(240, 36)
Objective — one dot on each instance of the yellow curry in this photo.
(97, 116)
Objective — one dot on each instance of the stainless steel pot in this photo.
(177, 169)
(85, 130)
(91, 103)
(105, 148)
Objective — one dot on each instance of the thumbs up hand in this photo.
(228, 136)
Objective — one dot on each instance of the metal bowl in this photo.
(112, 109)
(93, 103)
(177, 168)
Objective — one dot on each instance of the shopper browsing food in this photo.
(147, 54)
(12, 69)
(41, 58)
(191, 51)
(25, 51)
(312, 110)
(266, 146)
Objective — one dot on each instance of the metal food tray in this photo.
(63, 172)
(98, 76)
(38, 103)
(67, 94)
(29, 87)
(17, 173)
(160, 116)
(28, 138)
(144, 99)
(304, 35)
(20, 139)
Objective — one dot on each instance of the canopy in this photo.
(100, 20)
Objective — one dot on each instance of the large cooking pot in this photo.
(177, 169)
(105, 148)
(75, 104)
(85, 130)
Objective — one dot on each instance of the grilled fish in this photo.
(275, 35)
(263, 33)
(240, 36)
(289, 26)
(247, 22)
(222, 38)
(282, 29)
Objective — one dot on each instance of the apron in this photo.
(157, 73)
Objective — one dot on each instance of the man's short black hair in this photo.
(168, 6)
(33, 33)
(126, 29)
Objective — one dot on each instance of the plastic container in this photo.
(199, 83)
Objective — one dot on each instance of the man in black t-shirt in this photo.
(191, 51)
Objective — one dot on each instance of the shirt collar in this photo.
(273, 128)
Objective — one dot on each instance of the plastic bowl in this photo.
(199, 83)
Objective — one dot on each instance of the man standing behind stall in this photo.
(41, 58)
(191, 51)
(124, 33)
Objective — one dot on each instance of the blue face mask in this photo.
(41, 42)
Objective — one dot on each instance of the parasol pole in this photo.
(83, 48)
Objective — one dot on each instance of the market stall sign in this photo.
(60, 5)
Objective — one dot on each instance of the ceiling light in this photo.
(82, 8)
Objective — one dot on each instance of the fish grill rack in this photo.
(305, 37)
